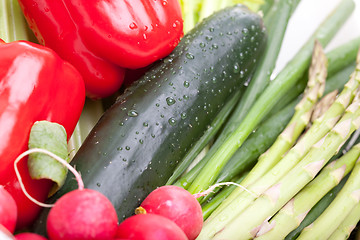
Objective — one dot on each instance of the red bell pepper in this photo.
(35, 84)
(102, 37)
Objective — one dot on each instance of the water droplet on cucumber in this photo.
(132, 113)
(170, 101)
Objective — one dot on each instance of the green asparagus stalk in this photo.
(239, 201)
(316, 211)
(291, 215)
(319, 207)
(337, 211)
(322, 106)
(266, 205)
(347, 226)
(276, 89)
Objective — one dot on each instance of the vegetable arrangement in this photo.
(233, 147)
(141, 138)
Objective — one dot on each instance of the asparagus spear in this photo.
(278, 194)
(316, 211)
(290, 216)
(337, 211)
(278, 87)
(325, 201)
(347, 226)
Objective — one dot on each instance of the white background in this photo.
(306, 18)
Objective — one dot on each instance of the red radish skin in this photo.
(149, 227)
(8, 210)
(178, 205)
(29, 236)
(82, 215)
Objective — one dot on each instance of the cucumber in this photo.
(140, 139)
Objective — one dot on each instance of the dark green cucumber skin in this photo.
(140, 139)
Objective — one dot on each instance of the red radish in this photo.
(8, 210)
(149, 227)
(81, 214)
(178, 205)
(29, 236)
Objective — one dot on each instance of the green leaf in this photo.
(52, 137)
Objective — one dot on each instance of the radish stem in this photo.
(57, 158)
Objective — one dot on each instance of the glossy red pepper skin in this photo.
(132, 33)
(102, 37)
(35, 84)
(54, 28)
